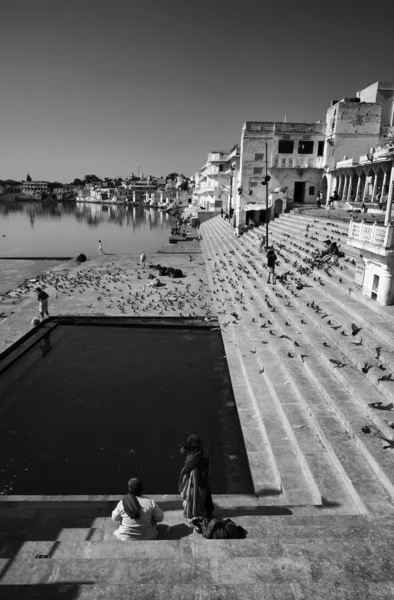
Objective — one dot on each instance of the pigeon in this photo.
(390, 442)
(366, 367)
(386, 378)
(366, 429)
(355, 329)
(338, 364)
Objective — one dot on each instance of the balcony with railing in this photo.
(281, 161)
(347, 163)
(374, 237)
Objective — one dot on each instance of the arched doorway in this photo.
(278, 207)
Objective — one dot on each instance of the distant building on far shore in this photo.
(34, 188)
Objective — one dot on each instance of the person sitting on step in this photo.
(138, 515)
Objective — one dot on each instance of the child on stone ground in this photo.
(100, 248)
(271, 258)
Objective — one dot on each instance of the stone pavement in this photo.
(14, 272)
(320, 522)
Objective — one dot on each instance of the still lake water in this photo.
(69, 228)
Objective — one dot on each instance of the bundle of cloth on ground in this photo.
(170, 271)
(138, 514)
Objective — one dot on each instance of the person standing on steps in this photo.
(271, 258)
(100, 248)
(42, 298)
(193, 483)
(261, 240)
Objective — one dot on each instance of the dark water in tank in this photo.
(89, 407)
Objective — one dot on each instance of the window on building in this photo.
(305, 147)
(286, 147)
(290, 162)
(311, 190)
(320, 148)
(253, 184)
(283, 162)
(259, 156)
(257, 170)
(221, 168)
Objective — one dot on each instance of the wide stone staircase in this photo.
(320, 522)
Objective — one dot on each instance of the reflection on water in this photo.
(56, 227)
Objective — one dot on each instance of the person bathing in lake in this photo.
(138, 515)
(42, 298)
(193, 483)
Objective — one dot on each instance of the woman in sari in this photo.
(194, 482)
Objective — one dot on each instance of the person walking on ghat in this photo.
(42, 298)
(271, 258)
(100, 248)
(143, 258)
(261, 240)
(193, 482)
(138, 515)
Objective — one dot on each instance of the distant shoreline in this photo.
(24, 198)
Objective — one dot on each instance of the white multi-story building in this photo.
(291, 154)
(35, 188)
(359, 135)
(215, 180)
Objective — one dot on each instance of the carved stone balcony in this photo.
(372, 237)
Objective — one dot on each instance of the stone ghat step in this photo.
(301, 252)
(319, 222)
(300, 433)
(369, 394)
(306, 232)
(363, 313)
(338, 319)
(297, 250)
(344, 452)
(202, 591)
(303, 561)
(359, 350)
(387, 312)
(287, 459)
(257, 527)
(194, 545)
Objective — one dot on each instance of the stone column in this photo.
(375, 183)
(384, 296)
(340, 186)
(349, 192)
(358, 187)
(367, 284)
(365, 187)
(384, 183)
(390, 198)
(343, 197)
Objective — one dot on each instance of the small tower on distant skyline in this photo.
(28, 178)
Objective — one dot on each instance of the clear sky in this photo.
(105, 86)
